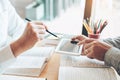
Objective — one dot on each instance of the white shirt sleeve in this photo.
(16, 24)
(16, 27)
(6, 58)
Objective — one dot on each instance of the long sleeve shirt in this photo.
(112, 56)
(11, 25)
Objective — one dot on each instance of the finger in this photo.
(81, 42)
(90, 56)
(88, 45)
(41, 23)
(85, 41)
(45, 26)
(74, 38)
(37, 22)
(41, 36)
(89, 40)
(40, 31)
(79, 37)
(87, 51)
(38, 26)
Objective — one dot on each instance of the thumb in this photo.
(89, 40)
(90, 56)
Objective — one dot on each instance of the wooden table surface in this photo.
(52, 68)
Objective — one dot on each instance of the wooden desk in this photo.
(52, 68)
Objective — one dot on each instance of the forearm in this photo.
(19, 46)
(16, 48)
(113, 41)
(112, 58)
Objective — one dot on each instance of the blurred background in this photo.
(66, 16)
(59, 15)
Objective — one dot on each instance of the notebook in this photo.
(73, 73)
(31, 62)
(8, 77)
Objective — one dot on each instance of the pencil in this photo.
(89, 30)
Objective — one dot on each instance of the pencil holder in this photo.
(95, 36)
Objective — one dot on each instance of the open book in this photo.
(83, 68)
(81, 61)
(31, 62)
(7, 77)
(73, 73)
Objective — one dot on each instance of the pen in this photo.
(51, 33)
(46, 29)
(74, 42)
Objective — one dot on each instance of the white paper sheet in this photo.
(7, 77)
(81, 61)
(29, 62)
(72, 73)
(39, 51)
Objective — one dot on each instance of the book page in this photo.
(28, 62)
(8, 77)
(39, 51)
(27, 66)
(31, 62)
(81, 61)
(72, 73)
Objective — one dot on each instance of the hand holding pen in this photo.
(33, 33)
(46, 29)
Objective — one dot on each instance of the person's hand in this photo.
(95, 49)
(33, 32)
(79, 38)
